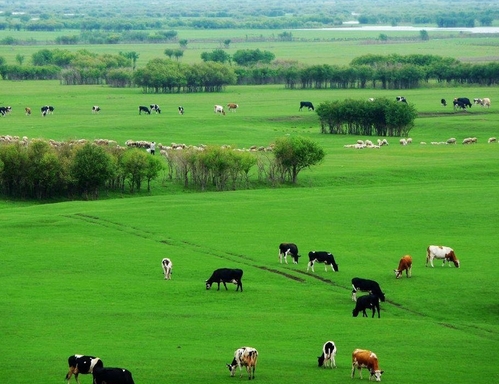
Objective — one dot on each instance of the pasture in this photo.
(86, 277)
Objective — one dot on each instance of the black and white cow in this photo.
(328, 354)
(226, 275)
(143, 108)
(112, 376)
(306, 104)
(443, 102)
(167, 265)
(244, 357)
(322, 257)
(47, 109)
(95, 109)
(366, 285)
(461, 103)
(401, 99)
(155, 108)
(82, 364)
(180, 110)
(286, 249)
(5, 110)
(366, 302)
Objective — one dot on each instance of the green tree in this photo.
(217, 55)
(227, 43)
(169, 52)
(183, 43)
(154, 166)
(296, 153)
(423, 34)
(20, 58)
(252, 56)
(132, 56)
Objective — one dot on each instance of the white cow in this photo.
(485, 102)
(440, 252)
(219, 109)
(244, 357)
(167, 265)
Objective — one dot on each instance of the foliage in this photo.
(217, 55)
(248, 57)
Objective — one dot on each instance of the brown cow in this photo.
(362, 358)
(244, 357)
(441, 252)
(405, 264)
(232, 107)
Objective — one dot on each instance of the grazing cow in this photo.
(443, 102)
(3, 111)
(143, 108)
(477, 101)
(401, 99)
(226, 275)
(219, 109)
(155, 108)
(167, 265)
(366, 285)
(232, 107)
(322, 257)
(461, 103)
(27, 111)
(82, 364)
(180, 110)
(95, 109)
(46, 109)
(112, 376)
(485, 102)
(365, 302)
(405, 264)
(328, 354)
(244, 357)
(306, 104)
(286, 249)
(362, 358)
(440, 252)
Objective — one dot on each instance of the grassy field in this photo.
(85, 277)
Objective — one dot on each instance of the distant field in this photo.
(85, 277)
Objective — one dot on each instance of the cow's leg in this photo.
(280, 256)
(354, 294)
(225, 285)
(286, 256)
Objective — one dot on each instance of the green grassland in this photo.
(85, 277)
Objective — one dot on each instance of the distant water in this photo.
(388, 28)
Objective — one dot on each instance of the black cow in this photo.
(82, 364)
(226, 275)
(461, 103)
(365, 302)
(443, 102)
(286, 249)
(306, 104)
(112, 376)
(322, 257)
(143, 108)
(46, 109)
(155, 108)
(366, 285)
(180, 110)
(401, 99)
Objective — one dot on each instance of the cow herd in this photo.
(94, 366)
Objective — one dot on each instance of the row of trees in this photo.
(380, 117)
(41, 171)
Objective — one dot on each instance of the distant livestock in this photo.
(306, 104)
(226, 275)
(443, 102)
(180, 110)
(244, 357)
(232, 107)
(328, 354)
(27, 111)
(362, 358)
(405, 264)
(367, 302)
(5, 110)
(485, 102)
(286, 249)
(219, 109)
(440, 252)
(401, 99)
(143, 108)
(167, 265)
(366, 285)
(47, 109)
(82, 364)
(322, 257)
(461, 103)
(155, 108)
(95, 109)
(492, 140)
(112, 376)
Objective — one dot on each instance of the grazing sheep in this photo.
(492, 140)
(452, 140)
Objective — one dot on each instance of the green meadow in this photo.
(85, 277)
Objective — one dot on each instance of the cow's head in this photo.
(376, 374)
(232, 367)
(355, 312)
(381, 296)
(397, 273)
(208, 285)
(320, 360)
(456, 263)
(335, 266)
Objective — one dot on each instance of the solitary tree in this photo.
(423, 34)
(183, 43)
(20, 58)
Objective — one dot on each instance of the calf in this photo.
(95, 109)
(112, 376)
(306, 104)
(286, 249)
(362, 358)
(155, 108)
(82, 364)
(322, 257)
(405, 264)
(443, 102)
(143, 108)
(167, 265)
(232, 107)
(328, 354)
(366, 302)
(366, 285)
(226, 275)
(244, 357)
(219, 109)
(440, 252)
(180, 110)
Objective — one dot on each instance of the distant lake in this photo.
(388, 28)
